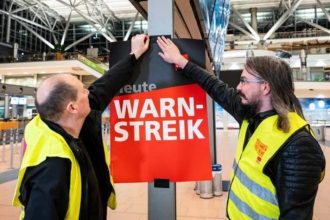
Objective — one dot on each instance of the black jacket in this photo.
(295, 170)
(45, 188)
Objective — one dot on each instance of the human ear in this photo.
(72, 107)
(266, 89)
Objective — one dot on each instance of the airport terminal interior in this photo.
(40, 38)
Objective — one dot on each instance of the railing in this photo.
(11, 134)
(94, 63)
(35, 57)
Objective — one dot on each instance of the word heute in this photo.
(135, 88)
(167, 119)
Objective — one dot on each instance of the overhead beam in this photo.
(282, 19)
(66, 29)
(247, 25)
(90, 21)
(323, 9)
(80, 40)
(129, 31)
(317, 26)
(37, 35)
(20, 9)
(242, 30)
(19, 18)
(108, 32)
(41, 18)
(9, 22)
(73, 7)
(34, 5)
(110, 11)
(285, 40)
(45, 16)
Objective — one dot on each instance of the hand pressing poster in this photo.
(158, 121)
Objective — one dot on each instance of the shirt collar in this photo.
(58, 129)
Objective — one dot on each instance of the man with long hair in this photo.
(278, 162)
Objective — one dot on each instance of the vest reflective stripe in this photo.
(245, 208)
(42, 142)
(252, 193)
(255, 188)
(112, 201)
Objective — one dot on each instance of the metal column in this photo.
(254, 22)
(161, 193)
(6, 115)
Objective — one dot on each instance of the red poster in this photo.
(158, 120)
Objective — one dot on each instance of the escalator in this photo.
(92, 63)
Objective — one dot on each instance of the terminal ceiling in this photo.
(280, 13)
(272, 16)
(281, 24)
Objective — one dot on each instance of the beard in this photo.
(249, 110)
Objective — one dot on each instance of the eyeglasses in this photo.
(244, 81)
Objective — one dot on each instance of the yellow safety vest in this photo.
(252, 194)
(41, 143)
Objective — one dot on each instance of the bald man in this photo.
(65, 168)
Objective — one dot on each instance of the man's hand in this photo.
(170, 52)
(139, 44)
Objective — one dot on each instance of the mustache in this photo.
(241, 94)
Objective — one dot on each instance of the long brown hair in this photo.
(279, 76)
